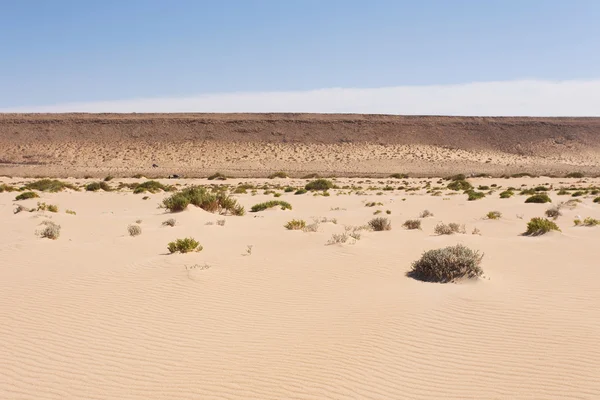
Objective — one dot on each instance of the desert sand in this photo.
(255, 145)
(98, 314)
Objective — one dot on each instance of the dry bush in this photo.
(295, 225)
(51, 230)
(221, 222)
(380, 224)
(184, 246)
(134, 230)
(449, 229)
(412, 224)
(337, 238)
(425, 214)
(170, 222)
(447, 265)
(494, 215)
(554, 212)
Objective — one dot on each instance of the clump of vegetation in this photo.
(425, 214)
(279, 174)
(380, 224)
(27, 195)
(506, 194)
(399, 176)
(170, 222)
(578, 193)
(289, 189)
(338, 238)
(473, 195)
(540, 226)
(457, 177)
(186, 245)
(449, 229)
(447, 265)
(522, 175)
(51, 230)
(217, 177)
(200, 197)
(221, 222)
(301, 191)
(319, 184)
(47, 207)
(152, 187)
(589, 221)
(574, 175)
(459, 185)
(539, 198)
(7, 188)
(597, 200)
(554, 212)
(95, 186)
(108, 178)
(296, 224)
(134, 230)
(50, 185)
(71, 212)
(494, 215)
(373, 204)
(270, 204)
(412, 224)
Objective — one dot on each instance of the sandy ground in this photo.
(243, 145)
(97, 314)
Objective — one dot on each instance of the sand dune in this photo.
(195, 145)
(98, 314)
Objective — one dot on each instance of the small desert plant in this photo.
(152, 187)
(380, 224)
(134, 230)
(27, 195)
(284, 205)
(200, 197)
(170, 222)
(221, 222)
(447, 265)
(337, 238)
(71, 212)
(589, 221)
(108, 178)
(553, 212)
(494, 215)
(249, 249)
(540, 226)
(301, 191)
(597, 200)
(425, 214)
(47, 207)
(574, 175)
(373, 204)
(448, 229)
(217, 177)
(412, 224)
(6, 188)
(279, 174)
(95, 186)
(51, 230)
(459, 184)
(399, 176)
(319, 184)
(314, 227)
(49, 185)
(184, 246)
(538, 198)
(473, 195)
(289, 189)
(296, 224)
(506, 194)
(476, 231)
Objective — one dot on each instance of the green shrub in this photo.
(459, 185)
(483, 187)
(152, 187)
(289, 189)
(473, 195)
(540, 226)
(380, 224)
(27, 195)
(597, 200)
(200, 197)
(301, 191)
(319, 184)
(458, 177)
(217, 177)
(279, 174)
(541, 189)
(296, 224)
(95, 186)
(7, 188)
(589, 221)
(447, 265)
(269, 204)
(412, 224)
(71, 212)
(506, 194)
(578, 193)
(522, 174)
(108, 178)
(574, 175)
(494, 215)
(50, 185)
(538, 198)
(184, 246)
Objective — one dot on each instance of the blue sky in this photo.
(74, 51)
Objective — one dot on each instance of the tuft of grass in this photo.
(319, 184)
(7, 188)
(380, 224)
(134, 230)
(27, 195)
(51, 230)
(506, 194)
(399, 176)
(217, 177)
(589, 221)
(425, 214)
(186, 245)
(447, 265)
(108, 178)
(50, 185)
(296, 224)
(200, 197)
(47, 207)
(597, 200)
(170, 222)
(494, 215)
(301, 191)
(554, 212)
(289, 189)
(279, 174)
(152, 187)
(539, 198)
(338, 238)
(522, 175)
(412, 224)
(574, 175)
(459, 185)
(71, 212)
(473, 195)
(95, 186)
(373, 204)
(539, 226)
(269, 204)
(221, 222)
(449, 229)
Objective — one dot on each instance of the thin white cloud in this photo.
(510, 98)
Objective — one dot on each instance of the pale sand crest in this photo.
(97, 314)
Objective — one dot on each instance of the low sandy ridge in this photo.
(98, 314)
(196, 145)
